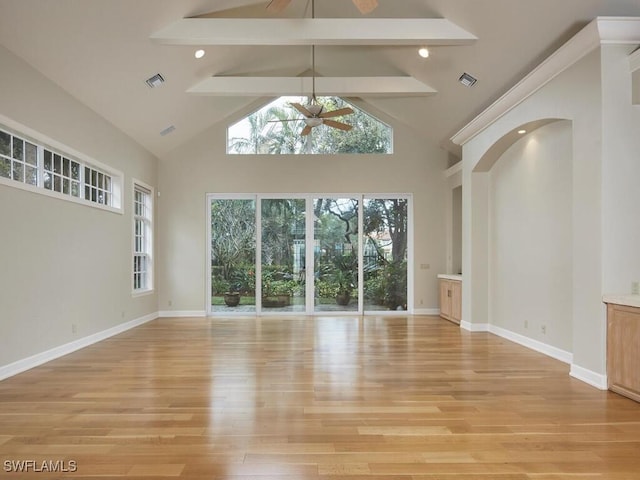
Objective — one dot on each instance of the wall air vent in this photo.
(155, 81)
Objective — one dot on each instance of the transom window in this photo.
(277, 128)
(26, 163)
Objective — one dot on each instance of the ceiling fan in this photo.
(314, 113)
(314, 116)
(365, 6)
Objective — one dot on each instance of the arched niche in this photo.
(495, 151)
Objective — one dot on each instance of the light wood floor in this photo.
(406, 398)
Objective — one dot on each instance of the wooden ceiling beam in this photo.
(316, 31)
(338, 86)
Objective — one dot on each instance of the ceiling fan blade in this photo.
(286, 120)
(276, 6)
(338, 125)
(336, 113)
(301, 109)
(306, 130)
(366, 6)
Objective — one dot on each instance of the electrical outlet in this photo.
(635, 288)
(421, 301)
(170, 303)
(122, 314)
(543, 329)
(425, 266)
(526, 324)
(74, 328)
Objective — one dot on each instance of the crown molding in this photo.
(602, 30)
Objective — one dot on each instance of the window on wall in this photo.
(309, 253)
(26, 163)
(142, 238)
(277, 129)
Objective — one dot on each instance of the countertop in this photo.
(626, 300)
(450, 276)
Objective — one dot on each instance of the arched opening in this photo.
(519, 244)
(530, 233)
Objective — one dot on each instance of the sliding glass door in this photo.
(385, 232)
(309, 254)
(336, 254)
(233, 255)
(283, 254)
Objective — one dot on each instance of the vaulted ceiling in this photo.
(102, 51)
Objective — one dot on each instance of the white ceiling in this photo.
(100, 52)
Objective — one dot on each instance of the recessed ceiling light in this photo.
(423, 52)
(522, 132)
(199, 53)
(155, 81)
(467, 80)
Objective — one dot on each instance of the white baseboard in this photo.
(474, 327)
(588, 376)
(39, 358)
(558, 354)
(182, 313)
(426, 311)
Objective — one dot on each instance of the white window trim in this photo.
(150, 270)
(41, 140)
(258, 197)
(235, 119)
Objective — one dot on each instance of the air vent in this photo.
(167, 130)
(155, 81)
(467, 80)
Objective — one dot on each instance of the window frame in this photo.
(44, 143)
(307, 149)
(146, 237)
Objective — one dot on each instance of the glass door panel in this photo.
(335, 254)
(233, 255)
(385, 253)
(283, 255)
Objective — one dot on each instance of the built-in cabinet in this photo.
(623, 350)
(451, 297)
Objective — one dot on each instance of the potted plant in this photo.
(344, 279)
(283, 290)
(232, 297)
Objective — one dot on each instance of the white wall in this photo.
(201, 166)
(63, 263)
(456, 230)
(595, 94)
(575, 94)
(530, 231)
(620, 173)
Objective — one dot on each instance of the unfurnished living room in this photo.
(320, 239)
